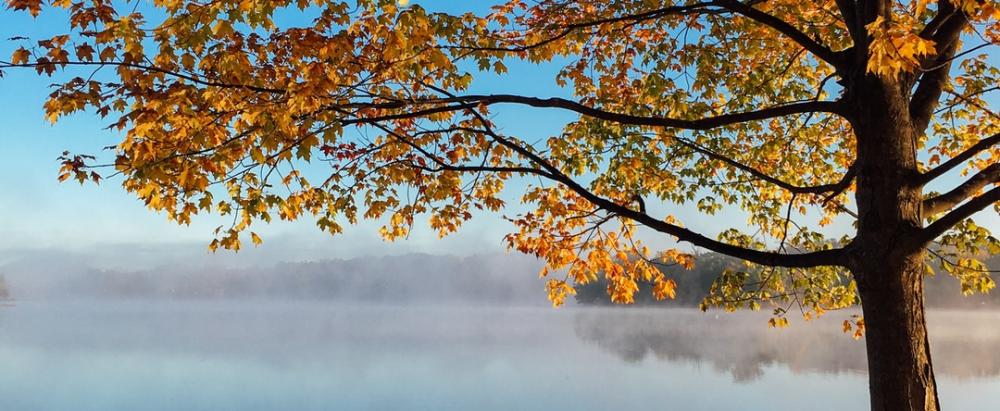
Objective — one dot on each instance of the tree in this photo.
(788, 110)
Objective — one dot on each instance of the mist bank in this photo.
(409, 278)
(511, 279)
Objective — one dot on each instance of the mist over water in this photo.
(399, 279)
(963, 342)
(419, 332)
(233, 355)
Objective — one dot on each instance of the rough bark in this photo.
(901, 375)
(887, 256)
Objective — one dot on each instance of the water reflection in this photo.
(963, 343)
(249, 356)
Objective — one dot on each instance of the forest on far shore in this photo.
(942, 290)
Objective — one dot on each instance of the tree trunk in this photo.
(887, 259)
(900, 375)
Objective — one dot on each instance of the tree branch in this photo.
(191, 78)
(960, 213)
(843, 183)
(570, 28)
(932, 82)
(549, 171)
(849, 11)
(814, 47)
(446, 166)
(945, 11)
(944, 202)
(962, 157)
(767, 258)
(706, 123)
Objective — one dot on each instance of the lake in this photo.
(314, 356)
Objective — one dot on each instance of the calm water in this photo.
(270, 356)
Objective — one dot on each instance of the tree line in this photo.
(941, 290)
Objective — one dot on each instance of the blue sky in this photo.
(39, 212)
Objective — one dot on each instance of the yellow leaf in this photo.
(664, 289)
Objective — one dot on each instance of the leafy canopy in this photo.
(705, 104)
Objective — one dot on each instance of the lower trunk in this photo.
(900, 374)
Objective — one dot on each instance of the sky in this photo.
(37, 212)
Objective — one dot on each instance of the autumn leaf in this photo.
(20, 56)
(792, 115)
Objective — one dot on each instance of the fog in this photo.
(267, 355)
(177, 273)
(168, 327)
(188, 272)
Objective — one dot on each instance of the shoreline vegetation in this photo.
(941, 290)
